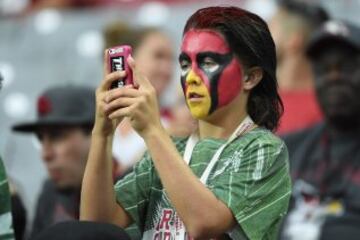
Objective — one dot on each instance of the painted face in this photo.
(211, 76)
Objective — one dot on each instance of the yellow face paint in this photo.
(197, 96)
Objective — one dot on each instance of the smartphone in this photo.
(118, 62)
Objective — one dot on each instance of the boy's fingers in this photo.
(140, 79)
(126, 91)
(110, 78)
(106, 70)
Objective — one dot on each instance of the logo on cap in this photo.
(337, 28)
(43, 106)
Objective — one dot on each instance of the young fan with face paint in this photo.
(207, 72)
(228, 180)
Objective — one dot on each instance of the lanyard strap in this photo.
(246, 125)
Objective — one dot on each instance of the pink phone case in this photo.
(118, 62)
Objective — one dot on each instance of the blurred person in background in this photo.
(325, 159)
(6, 220)
(6, 223)
(182, 123)
(291, 28)
(65, 116)
(18, 210)
(154, 54)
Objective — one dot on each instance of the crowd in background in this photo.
(318, 62)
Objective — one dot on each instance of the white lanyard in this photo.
(243, 128)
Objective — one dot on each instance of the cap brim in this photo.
(30, 127)
(323, 41)
(25, 127)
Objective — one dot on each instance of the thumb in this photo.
(139, 78)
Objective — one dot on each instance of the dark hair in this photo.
(249, 37)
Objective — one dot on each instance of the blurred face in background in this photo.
(64, 152)
(337, 74)
(155, 58)
(289, 32)
(182, 124)
(277, 31)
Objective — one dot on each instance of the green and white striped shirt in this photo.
(6, 229)
(251, 177)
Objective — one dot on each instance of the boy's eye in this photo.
(185, 66)
(208, 64)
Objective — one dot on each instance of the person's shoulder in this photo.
(261, 147)
(295, 139)
(2, 169)
(260, 137)
(261, 143)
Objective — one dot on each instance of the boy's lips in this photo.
(194, 96)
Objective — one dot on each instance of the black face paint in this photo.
(213, 76)
(185, 65)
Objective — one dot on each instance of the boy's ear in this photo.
(253, 77)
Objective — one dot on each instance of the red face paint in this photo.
(209, 56)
